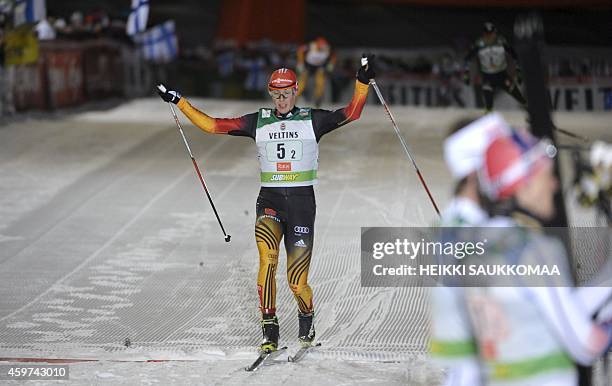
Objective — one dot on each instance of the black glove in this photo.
(366, 71)
(168, 95)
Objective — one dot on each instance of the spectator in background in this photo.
(7, 73)
(341, 79)
(60, 26)
(2, 82)
(254, 64)
(44, 30)
(447, 71)
(226, 58)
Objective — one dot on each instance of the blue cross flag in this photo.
(29, 11)
(159, 44)
(137, 20)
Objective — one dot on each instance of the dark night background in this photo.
(392, 24)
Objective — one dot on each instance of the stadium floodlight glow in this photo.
(404, 145)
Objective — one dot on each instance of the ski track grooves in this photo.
(110, 241)
(145, 281)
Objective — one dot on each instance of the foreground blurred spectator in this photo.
(452, 342)
(530, 335)
(517, 334)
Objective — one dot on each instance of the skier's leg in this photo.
(512, 88)
(488, 91)
(268, 234)
(299, 238)
(487, 95)
(319, 86)
(302, 80)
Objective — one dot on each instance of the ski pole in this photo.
(570, 134)
(195, 165)
(405, 146)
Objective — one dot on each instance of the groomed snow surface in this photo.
(106, 235)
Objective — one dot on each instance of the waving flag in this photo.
(137, 21)
(29, 11)
(159, 44)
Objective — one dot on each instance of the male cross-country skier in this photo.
(531, 332)
(452, 343)
(287, 139)
(492, 51)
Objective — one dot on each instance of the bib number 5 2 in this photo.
(291, 150)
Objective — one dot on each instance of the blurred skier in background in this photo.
(496, 70)
(315, 59)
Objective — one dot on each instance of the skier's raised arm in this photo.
(241, 126)
(325, 121)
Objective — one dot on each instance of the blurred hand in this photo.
(466, 77)
(366, 71)
(168, 95)
(300, 68)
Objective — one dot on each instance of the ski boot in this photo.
(269, 328)
(307, 332)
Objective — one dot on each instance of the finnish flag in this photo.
(29, 11)
(137, 20)
(159, 44)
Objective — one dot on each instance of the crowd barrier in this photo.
(566, 94)
(69, 73)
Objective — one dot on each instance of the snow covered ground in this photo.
(105, 235)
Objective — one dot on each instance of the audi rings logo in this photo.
(299, 229)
